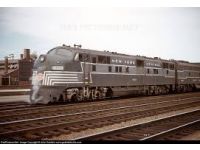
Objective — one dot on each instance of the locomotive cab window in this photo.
(139, 63)
(84, 57)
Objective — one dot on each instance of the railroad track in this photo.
(170, 128)
(13, 105)
(41, 111)
(46, 127)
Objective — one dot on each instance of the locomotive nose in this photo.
(35, 96)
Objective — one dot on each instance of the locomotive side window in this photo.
(102, 59)
(120, 69)
(93, 67)
(116, 69)
(155, 71)
(171, 66)
(109, 68)
(165, 65)
(139, 63)
(148, 71)
(108, 60)
(167, 71)
(94, 60)
(127, 69)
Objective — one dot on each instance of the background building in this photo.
(16, 71)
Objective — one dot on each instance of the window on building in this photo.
(120, 69)
(155, 71)
(109, 68)
(139, 63)
(127, 69)
(167, 71)
(189, 74)
(116, 69)
(93, 67)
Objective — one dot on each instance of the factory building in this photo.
(16, 71)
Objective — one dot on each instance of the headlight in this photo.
(42, 58)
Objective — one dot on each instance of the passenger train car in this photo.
(74, 74)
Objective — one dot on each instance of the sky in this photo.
(166, 32)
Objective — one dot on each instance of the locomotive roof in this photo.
(114, 54)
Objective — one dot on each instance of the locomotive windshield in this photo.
(60, 53)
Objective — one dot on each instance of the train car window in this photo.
(139, 63)
(127, 69)
(148, 71)
(165, 65)
(93, 67)
(120, 69)
(155, 71)
(102, 59)
(109, 68)
(94, 60)
(116, 69)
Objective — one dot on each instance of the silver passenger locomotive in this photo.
(74, 74)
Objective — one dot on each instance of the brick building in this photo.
(16, 71)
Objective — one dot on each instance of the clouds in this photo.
(162, 32)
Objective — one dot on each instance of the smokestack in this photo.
(6, 64)
(27, 54)
(21, 56)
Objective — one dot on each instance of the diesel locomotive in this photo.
(74, 74)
